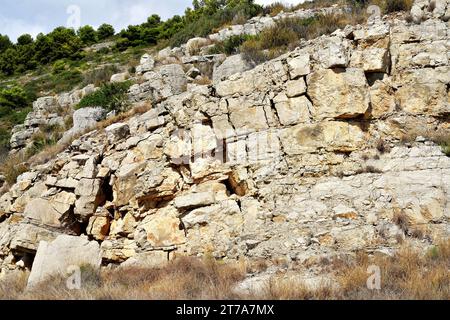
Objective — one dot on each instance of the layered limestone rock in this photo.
(300, 158)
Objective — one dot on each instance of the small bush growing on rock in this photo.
(397, 5)
(252, 52)
(443, 140)
(276, 8)
(383, 147)
(48, 135)
(230, 45)
(13, 167)
(111, 96)
(100, 76)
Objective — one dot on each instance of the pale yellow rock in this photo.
(333, 136)
(118, 250)
(163, 229)
(382, 99)
(203, 139)
(98, 227)
(338, 93)
(421, 98)
(299, 66)
(249, 120)
(292, 110)
(295, 88)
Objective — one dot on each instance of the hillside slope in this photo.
(335, 147)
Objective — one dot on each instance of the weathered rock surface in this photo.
(60, 256)
(232, 65)
(302, 157)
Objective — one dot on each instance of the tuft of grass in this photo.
(100, 76)
(401, 220)
(444, 141)
(12, 167)
(390, 6)
(409, 274)
(383, 147)
(111, 96)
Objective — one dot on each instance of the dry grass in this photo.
(185, 278)
(276, 8)
(288, 33)
(293, 289)
(410, 274)
(440, 137)
(315, 4)
(12, 167)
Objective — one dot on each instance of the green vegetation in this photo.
(105, 31)
(111, 96)
(66, 44)
(47, 136)
(389, 6)
(231, 45)
(288, 33)
(15, 103)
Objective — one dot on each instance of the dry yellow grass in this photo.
(185, 278)
(407, 275)
(410, 274)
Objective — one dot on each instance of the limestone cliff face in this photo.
(299, 158)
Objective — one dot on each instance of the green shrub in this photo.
(59, 67)
(251, 51)
(14, 97)
(230, 45)
(444, 141)
(66, 80)
(111, 96)
(100, 76)
(276, 8)
(105, 31)
(397, 5)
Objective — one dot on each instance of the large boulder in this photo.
(85, 119)
(120, 77)
(58, 257)
(193, 45)
(338, 93)
(174, 77)
(147, 64)
(232, 65)
(117, 131)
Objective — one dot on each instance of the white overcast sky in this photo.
(34, 16)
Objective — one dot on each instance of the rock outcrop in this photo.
(50, 111)
(300, 158)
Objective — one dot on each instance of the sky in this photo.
(34, 16)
